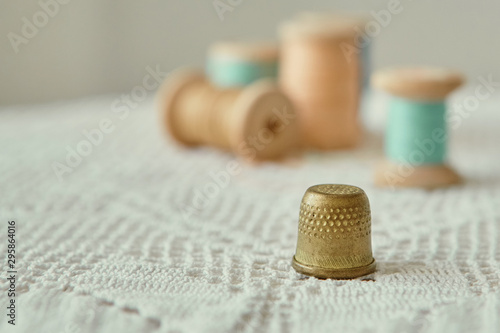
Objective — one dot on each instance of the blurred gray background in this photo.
(95, 47)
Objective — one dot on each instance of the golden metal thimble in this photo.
(334, 239)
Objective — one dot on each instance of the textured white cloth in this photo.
(108, 248)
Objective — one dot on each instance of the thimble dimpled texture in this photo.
(334, 228)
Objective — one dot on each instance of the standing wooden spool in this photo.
(416, 137)
(362, 40)
(322, 81)
(256, 123)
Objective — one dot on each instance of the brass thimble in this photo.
(334, 240)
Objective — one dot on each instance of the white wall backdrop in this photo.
(92, 47)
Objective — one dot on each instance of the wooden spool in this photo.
(425, 87)
(357, 21)
(256, 123)
(322, 81)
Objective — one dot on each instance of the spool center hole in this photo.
(273, 125)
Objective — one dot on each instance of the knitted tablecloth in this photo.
(141, 235)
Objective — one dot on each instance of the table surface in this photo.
(124, 242)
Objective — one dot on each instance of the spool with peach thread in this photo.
(358, 22)
(323, 83)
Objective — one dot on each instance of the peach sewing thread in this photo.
(322, 81)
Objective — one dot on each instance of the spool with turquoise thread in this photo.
(230, 72)
(416, 137)
(412, 125)
(238, 64)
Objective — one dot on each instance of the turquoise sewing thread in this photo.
(227, 73)
(411, 131)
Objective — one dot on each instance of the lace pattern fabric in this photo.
(130, 241)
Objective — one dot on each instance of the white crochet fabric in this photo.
(109, 250)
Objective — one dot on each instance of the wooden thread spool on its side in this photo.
(187, 131)
(258, 122)
(416, 138)
(322, 81)
(219, 122)
(237, 64)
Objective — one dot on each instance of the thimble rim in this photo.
(331, 273)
